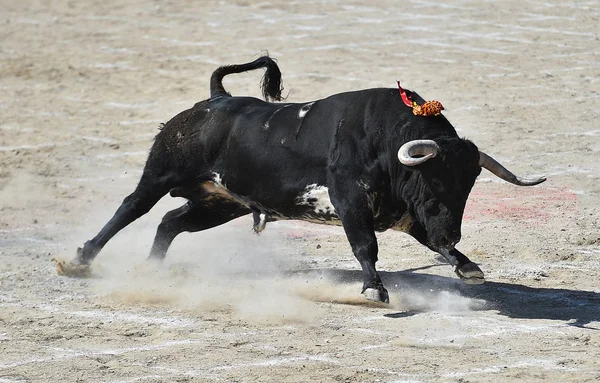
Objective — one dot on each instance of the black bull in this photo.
(360, 159)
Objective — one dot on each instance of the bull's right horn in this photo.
(495, 167)
(425, 148)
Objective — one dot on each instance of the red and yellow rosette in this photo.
(429, 108)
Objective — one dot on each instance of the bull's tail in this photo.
(270, 84)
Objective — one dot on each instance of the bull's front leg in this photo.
(364, 246)
(357, 220)
(464, 268)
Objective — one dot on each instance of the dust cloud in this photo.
(229, 269)
(225, 269)
(438, 301)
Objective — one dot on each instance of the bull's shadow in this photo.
(576, 307)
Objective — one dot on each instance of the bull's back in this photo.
(282, 147)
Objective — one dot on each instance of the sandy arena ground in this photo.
(83, 88)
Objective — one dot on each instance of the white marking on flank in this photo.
(317, 197)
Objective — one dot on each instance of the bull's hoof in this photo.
(377, 295)
(72, 269)
(470, 274)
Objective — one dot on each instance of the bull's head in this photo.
(446, 171)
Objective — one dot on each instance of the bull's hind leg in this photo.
(192, 217)
(148, 192)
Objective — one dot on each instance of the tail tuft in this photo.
(271, 83)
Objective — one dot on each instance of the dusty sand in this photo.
(83, 87)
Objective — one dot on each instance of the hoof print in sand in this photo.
(72, 270)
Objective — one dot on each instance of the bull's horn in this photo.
(495, 167)
(425, 148)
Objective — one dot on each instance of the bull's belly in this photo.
(311, 204)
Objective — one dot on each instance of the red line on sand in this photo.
(505, 202)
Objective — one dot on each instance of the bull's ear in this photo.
(416, 152)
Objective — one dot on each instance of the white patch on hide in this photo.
(218, 180)
(304, 110)
(317, 197)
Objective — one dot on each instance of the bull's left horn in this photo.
(495, 167)
(425, 148)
